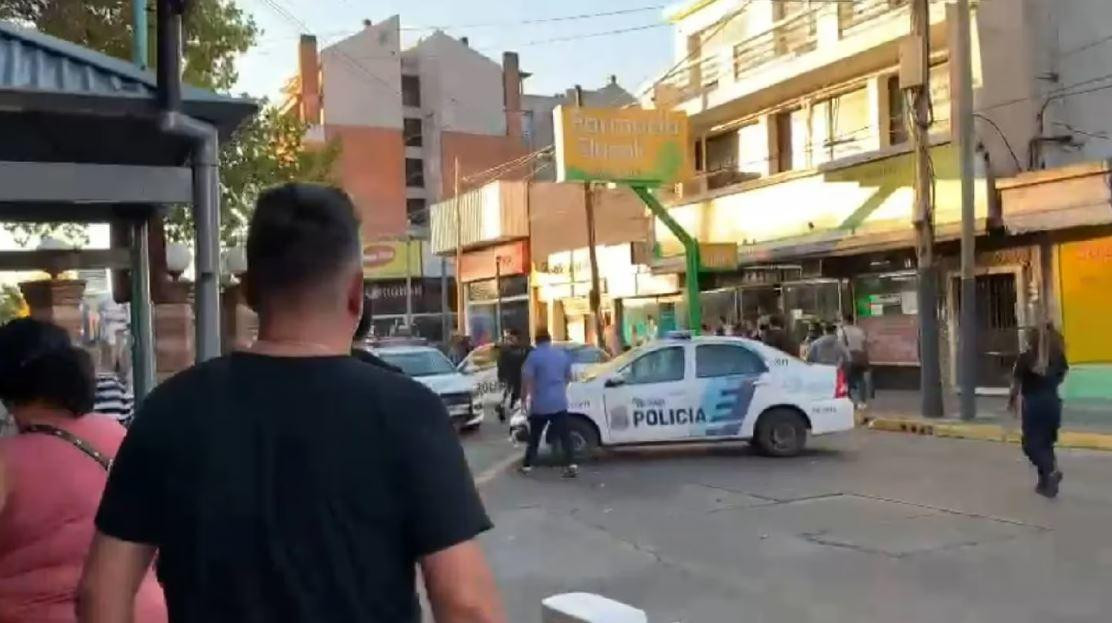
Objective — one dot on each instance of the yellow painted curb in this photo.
(986, 432)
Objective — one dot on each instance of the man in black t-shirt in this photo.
(293, 483)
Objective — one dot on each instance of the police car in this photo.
(431, 368)
(704, 389)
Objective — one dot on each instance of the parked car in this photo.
(705, 389)
(481, 365)
(429, 366)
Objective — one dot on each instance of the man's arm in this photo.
(113, 571)
(461, 587)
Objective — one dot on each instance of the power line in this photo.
(589, 35)
(544, 20)
(1003, 137)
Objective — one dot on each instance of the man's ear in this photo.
(355, 295)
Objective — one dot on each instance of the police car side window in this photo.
(712, 360)
(660, 366)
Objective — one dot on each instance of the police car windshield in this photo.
(419, 363)
(612, 366)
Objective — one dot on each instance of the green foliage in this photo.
(216, 32)
(11, 303)
(267, 150)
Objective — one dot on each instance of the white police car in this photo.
(704, 389)
(430, 367)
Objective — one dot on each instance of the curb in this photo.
(985, 432)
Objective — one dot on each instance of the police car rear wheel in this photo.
(781, 433)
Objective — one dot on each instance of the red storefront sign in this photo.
(511, 258)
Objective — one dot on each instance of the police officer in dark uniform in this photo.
(1035, 382)
(511, 356)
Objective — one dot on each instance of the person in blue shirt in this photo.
(545, 376)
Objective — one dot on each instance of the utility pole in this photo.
(460, 306)
(408, 280)
(595, 295)
(962, 63)
(930, 374)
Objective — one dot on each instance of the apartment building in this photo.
(404, 117)
(803, 157)
(539, 131)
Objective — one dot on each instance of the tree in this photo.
(11, 303)
(215, 32)
(267, 150)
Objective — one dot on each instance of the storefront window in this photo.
(887, 308)
(806, 303)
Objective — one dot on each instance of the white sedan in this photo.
(703, 389)
(431, 368)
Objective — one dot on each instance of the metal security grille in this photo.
(998, 327)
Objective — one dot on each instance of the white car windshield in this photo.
(420, 362)
(612, 366)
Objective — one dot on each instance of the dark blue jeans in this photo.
(1042, 417)
(559, 424)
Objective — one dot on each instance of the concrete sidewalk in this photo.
(1084, 425)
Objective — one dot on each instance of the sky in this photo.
(492, 26)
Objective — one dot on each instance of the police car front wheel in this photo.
(781, 432)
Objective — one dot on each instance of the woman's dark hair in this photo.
(38, 364)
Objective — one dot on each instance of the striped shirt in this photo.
(113, 399)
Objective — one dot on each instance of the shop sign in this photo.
(511, 258)
(387, 260)
(630, 145)
(718, 255)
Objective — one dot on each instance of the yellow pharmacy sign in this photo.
(626, 145)
(389, 260)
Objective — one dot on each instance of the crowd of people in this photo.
(280, 483)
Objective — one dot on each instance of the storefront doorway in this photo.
(998, 327)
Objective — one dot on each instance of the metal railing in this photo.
(853, 14)
(692, 78)
(789, 37)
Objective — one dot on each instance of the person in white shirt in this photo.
(854, 339)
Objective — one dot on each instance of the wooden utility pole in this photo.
(460, 304)
(930, 373)
(595, 296)
(961, 59)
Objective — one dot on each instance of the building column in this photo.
(240, 323)
(878, 112)
(174, 343)
(56, 301)
(829, 26)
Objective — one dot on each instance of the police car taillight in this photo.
(841, 384)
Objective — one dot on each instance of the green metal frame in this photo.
(691, 253)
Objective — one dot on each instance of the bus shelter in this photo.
(83, 139)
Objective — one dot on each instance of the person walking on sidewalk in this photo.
(829, 350)
(855, 341)
(1039, 370)
(546, 374)
(293, 482)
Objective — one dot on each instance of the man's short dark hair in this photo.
(38, 364)
(849, 318)
(776, 321)
(831, 328)
(299, 235)
(543, 336)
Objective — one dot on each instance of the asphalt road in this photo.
(488, 448)
(869, 527)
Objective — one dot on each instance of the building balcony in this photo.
(824, 43)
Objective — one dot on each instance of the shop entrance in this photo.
(998, 327)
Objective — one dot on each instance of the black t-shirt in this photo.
(367, 356)
(300, 490)
(1032, 383)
